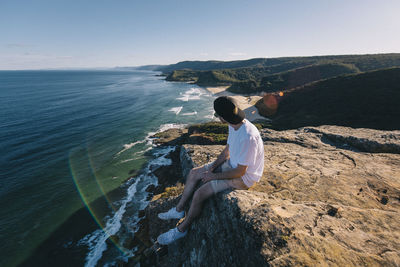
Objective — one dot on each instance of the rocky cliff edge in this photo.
(329, 196)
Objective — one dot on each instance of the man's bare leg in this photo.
(193, 177)
(201, 194)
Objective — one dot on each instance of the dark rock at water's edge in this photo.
(170, 137)
(167, 176)
(328, 195)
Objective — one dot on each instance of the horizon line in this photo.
(155, 64)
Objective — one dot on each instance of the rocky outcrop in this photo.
(329, 196)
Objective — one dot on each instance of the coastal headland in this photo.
(359, 91)
(330, 192)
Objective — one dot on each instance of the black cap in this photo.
(226, 107)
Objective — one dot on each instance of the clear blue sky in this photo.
(106, 33)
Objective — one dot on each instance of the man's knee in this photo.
(195, 173)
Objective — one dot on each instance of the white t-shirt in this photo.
(247, 148)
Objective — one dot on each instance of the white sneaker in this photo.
(171, 214)
(170, 236)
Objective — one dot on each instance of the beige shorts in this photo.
(222, 184)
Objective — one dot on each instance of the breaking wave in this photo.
(189, 113)
(191, 94)
(97, 241)
(176, 110)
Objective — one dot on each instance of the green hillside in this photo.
(274, 74)
(211, 65)
(362, 62)
(230, 76)
(296, 77)
(368, 100)
(183, 76)
(304, 75)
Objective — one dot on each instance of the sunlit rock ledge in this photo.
(329, 195)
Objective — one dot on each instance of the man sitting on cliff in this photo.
(238, 166)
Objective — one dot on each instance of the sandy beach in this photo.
(218, 90)
(246, 103)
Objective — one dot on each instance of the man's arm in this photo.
(224, 155)
(237, 172)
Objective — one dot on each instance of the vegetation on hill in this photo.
(213, 132)
(229, 76)
(295, 78)
(366, 100)
(348, 90)
(210, 133)
(211, 65)
(275, 74)
(182, 76)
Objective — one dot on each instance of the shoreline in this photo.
(66, 241)
(66, 250)
(218, 90)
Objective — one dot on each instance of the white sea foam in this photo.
(209, 117)
(162, 128)
(189, 113)
(161, 157)
(168, 126)
(176, 110)
(136, 155)
(142, 151)
(149, 140)
(186, 98)
(127, 160)
(192, 94)
(129, 146)
(96, 241)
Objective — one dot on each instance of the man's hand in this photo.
(208, 176)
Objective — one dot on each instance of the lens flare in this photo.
(89, 189)
(96, 178)
(270, 104)
(78, 178)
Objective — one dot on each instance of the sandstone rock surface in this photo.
(329, 196)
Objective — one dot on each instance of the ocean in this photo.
(71, 139)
